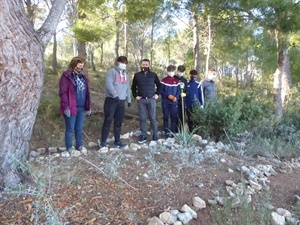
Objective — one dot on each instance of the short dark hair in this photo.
(181, 68)
(75, 61)
(193, 72)
(122, 59)
(145, 60)
(171, 67)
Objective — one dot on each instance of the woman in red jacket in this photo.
(75, 101)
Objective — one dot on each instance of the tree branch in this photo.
(48, 28)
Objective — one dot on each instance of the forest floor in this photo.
(112, 188)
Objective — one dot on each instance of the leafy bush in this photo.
(234, 113)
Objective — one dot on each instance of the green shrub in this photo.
(234, 113)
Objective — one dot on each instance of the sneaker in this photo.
(154, 138)
(79, 148)
(120, 144)
(142, 139)
(101, 144)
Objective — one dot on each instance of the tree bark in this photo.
(54, 56)
(117, 43)
(152, 39)
(286, 76)
(278, 85)
(196, 42)
(208, 44)
(282, 81)
(21, 82)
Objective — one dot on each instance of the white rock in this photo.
(160, 142)
(255, 185)
(292, 220)
(84, 151)
(283, 212)
(103, 150)
(199, 203)
(52, 150)
(230, 170)
(188, 209)
(62, 149)
(277, 219)
(92, 144)
(125, 136)
(145, 175)
(109, 140)
(152, 144)
(178, 223)
(203, 142)
(55, 155)
(167, 217)
(135, 146)
(220, 145)
(196, 137)
(75, 153)
(184, 217)
(220, 200)
(230, 183)
(171, 140)
(155, 221)
(41, 151)
(223, 160)
(174, 212)
(212, 202)
(65, 154)
(34, 154)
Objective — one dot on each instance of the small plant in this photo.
(184, 137)
(245, 213)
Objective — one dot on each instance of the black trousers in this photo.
(113, 111)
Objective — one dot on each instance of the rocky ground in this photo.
(208, 183)
(164, 181)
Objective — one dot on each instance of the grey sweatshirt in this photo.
(117, 84)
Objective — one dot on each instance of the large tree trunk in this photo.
(21, 82)
(196, 42)
(286, 76)
(125, 39)
(208, 44)
(152, 39)
(282, 81)
(117, 43)
(54, 56)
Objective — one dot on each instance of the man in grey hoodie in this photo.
(117, 91)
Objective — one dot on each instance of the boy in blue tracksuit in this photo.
(170, 90)
(194, 97)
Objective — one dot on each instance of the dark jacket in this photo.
(170, 86)
(194, 94)
(184, 89)
(67, 93)
(143, 85)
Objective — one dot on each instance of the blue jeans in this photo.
(74, 124)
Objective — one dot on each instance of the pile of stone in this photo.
(179, 217)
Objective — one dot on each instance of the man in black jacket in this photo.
(145, 89)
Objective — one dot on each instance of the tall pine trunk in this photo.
(54, 56)
(282, 81)
(21, 82)
(196, 42)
